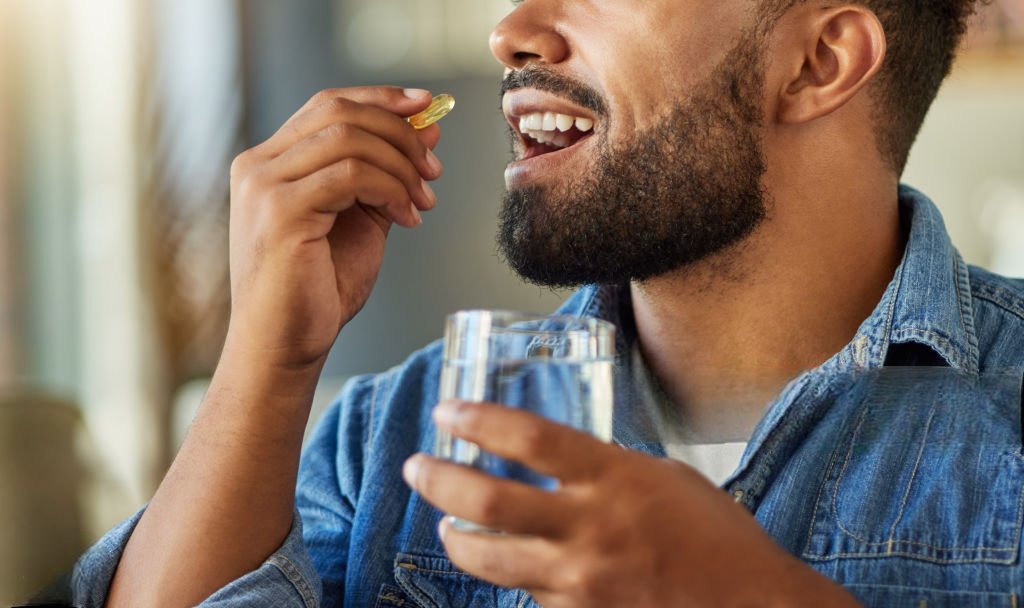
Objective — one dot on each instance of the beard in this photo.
(661, 201)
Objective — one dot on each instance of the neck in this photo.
(725, 336)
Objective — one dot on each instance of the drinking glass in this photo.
(559, 367)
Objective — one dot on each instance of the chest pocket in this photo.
(929, 468)
(433, 582)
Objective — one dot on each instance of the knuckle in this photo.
(534, 439)
(241, 163)
(340, 106)
(324, 96)
(246, 187)
(426, 480)
(339, 130)
(350, 171)
(582, 581)
(490, 505)
(324, 185)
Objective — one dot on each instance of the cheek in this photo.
(642, 85)
(638, 105)
(648, 59)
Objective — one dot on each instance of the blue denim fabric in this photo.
(905, 484)
(287, 578)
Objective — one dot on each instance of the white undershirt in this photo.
(715, 461)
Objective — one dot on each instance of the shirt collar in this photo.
(928, 301)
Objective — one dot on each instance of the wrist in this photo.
(255, 394)
(251, 346)
(258, 373)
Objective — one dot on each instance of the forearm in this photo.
(227, 502)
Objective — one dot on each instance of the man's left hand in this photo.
(621, 529)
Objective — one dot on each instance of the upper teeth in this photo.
(546, 127)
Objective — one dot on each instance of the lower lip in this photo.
(537, 168)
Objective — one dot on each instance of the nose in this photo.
(527, 35)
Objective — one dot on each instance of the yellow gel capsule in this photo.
(438, 109)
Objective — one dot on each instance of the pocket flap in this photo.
(893, 596)
(434, 582)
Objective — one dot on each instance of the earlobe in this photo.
(845, 48)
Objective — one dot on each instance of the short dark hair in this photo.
(922, 37)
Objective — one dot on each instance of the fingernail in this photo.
(445, 413)
(433, 162)
(410, 470)
(430, 193)
(416, 93)
(416, 215)
(442, 528)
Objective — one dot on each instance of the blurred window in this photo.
(418, 38)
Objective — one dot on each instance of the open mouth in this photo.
(547, 132)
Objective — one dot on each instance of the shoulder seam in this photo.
(997, 294)
(1015, 311)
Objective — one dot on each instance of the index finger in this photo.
(395, 99)
(367, 107)
(545, 446)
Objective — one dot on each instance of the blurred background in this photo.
(118, 122)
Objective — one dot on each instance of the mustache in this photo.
(550, 82)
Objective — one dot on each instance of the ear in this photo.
(838, 51)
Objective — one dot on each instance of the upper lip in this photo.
(521, 102)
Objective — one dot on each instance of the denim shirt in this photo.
(904, 484)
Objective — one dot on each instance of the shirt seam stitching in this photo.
(817, 503)
(890, 314)
(294, 576)
(1006, 307)
(921, 557)
(913, 477)
(962, 281)
(808, 552)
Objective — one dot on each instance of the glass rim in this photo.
(506, 317)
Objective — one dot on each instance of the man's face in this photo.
(635, 129)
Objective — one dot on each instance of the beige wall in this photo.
(6, 253)
(972, 141)
(8, 333)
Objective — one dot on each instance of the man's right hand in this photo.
(310, 213)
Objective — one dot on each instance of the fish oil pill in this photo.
(438, 109)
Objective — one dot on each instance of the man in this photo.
(728, 191)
